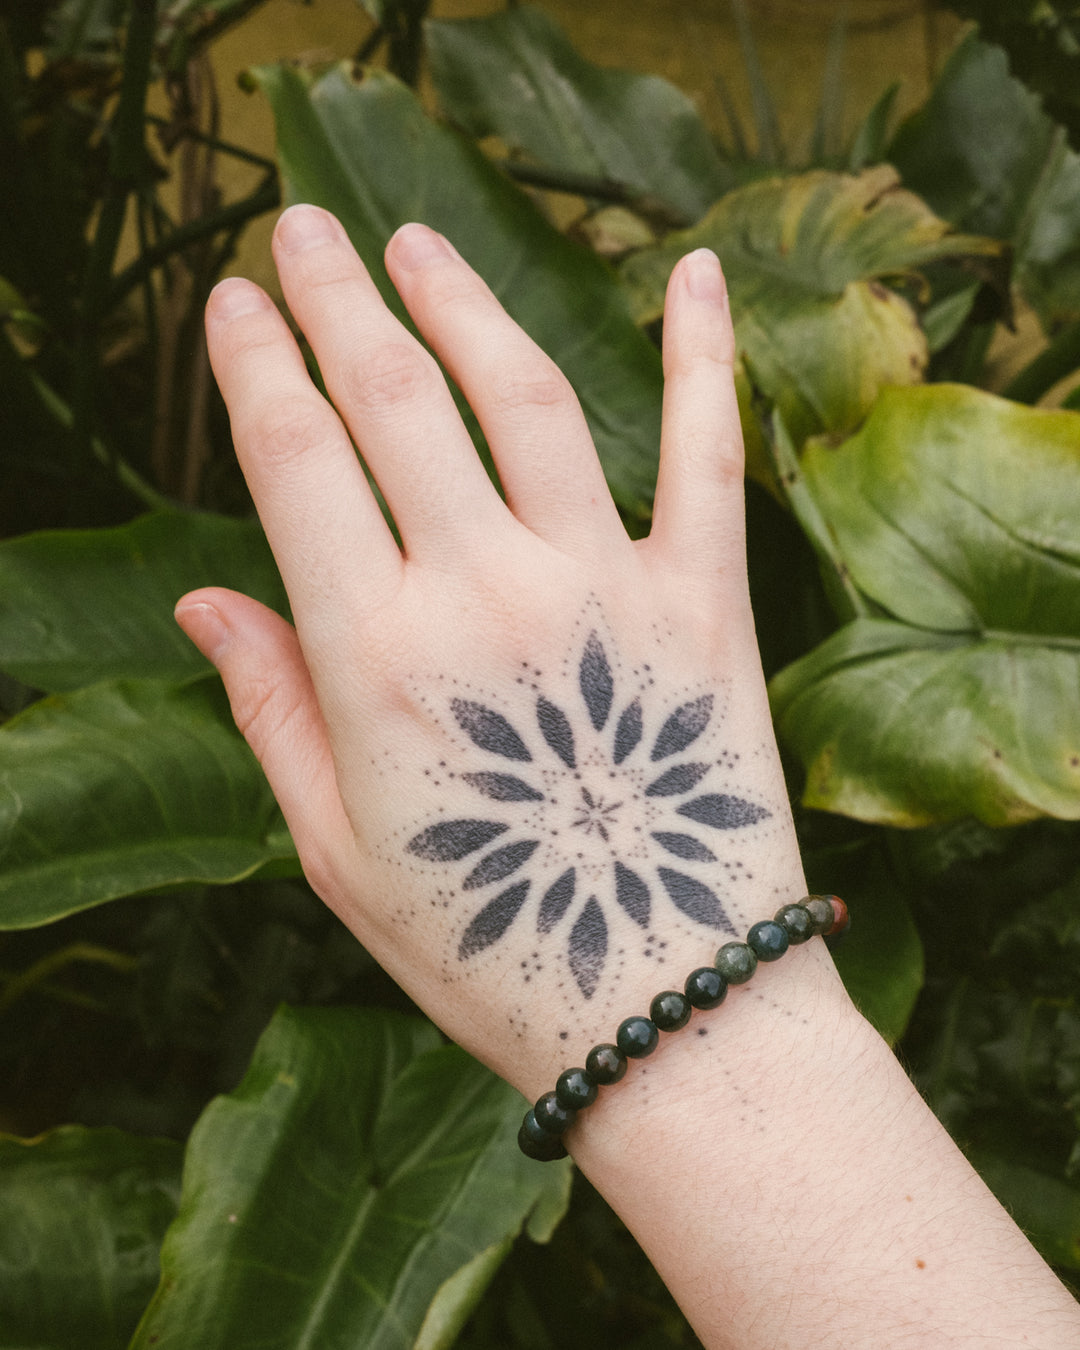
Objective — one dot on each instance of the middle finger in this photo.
(388, 390)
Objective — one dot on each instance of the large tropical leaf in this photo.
(958, 515)
(84, 1214)
(880, 959)
(817, 332)
(1043, 43)
(124, 787)
(517, 76)
(79, 606)
(985, 156)
(361, 146)
(360, 1174)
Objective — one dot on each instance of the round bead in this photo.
(736, 962)
(605, 1064)
(536, 1143)
(551, 1115)
(820, 911)
(795, 920)
(841, 918)
(575, 1089)
(637, 1037)
(767, 940)
(670, 1010)
(706, 987)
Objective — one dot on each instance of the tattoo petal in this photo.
(628, 731)
(722, 811)
(632, 893)
(596, 680)
(684, 846)
(679, 778)
(587, 948)
(683, 727)
(503, 787)
(556, 901)
(696, 900)
(500, 864)
(451, 840)
(489, 730)
(493, 920)
(555, 728)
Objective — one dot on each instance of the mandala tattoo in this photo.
(574, 810)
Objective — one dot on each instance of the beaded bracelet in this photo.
(705, 988)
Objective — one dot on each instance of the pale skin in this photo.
(773, 1160)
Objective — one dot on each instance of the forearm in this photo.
(793, 1189)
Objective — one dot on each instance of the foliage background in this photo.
(172, 997)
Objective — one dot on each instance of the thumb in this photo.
(273, 703)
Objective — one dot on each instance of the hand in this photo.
(530, 764)
(527, 760)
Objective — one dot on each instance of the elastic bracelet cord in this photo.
(540, 1136)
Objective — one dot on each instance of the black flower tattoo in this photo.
(581, 802)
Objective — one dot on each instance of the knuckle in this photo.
(398, 375)
(287, 430)
(263, 712)
(513, 390)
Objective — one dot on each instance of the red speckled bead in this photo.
(841, 917)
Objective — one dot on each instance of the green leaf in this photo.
(84, 1214)
(958, 514)
(1043, 43)
(362, 147)
(985, 156)
(516, 75)
(880, 958)
(818, 332)
(79, 606)
(329, 1200)
(124, 787)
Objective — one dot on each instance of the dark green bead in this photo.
(575, 1089)
(551, 1115)
(736, 962)
(796, 922)
(536, 1143)
(768, 940)
(637, 1037)
(670, 1010)
(820, 911)
(605, 1064)
(706, 987)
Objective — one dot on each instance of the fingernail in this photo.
(704, 279)
(415, 245)
(233, 297)
(303, 227)
(203, 625)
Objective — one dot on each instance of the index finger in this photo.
(331, 543)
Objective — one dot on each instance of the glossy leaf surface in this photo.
(84, 1214)
(986, 156)
(958, 514)
(328, 1201)
(516, 75)
(124, 787)
(79, 606)
(363, 148)
(815, 329)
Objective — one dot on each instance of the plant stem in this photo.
(265, 197)
(226, 147)
(86, 952)
(1061, 358)
(125, 162)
